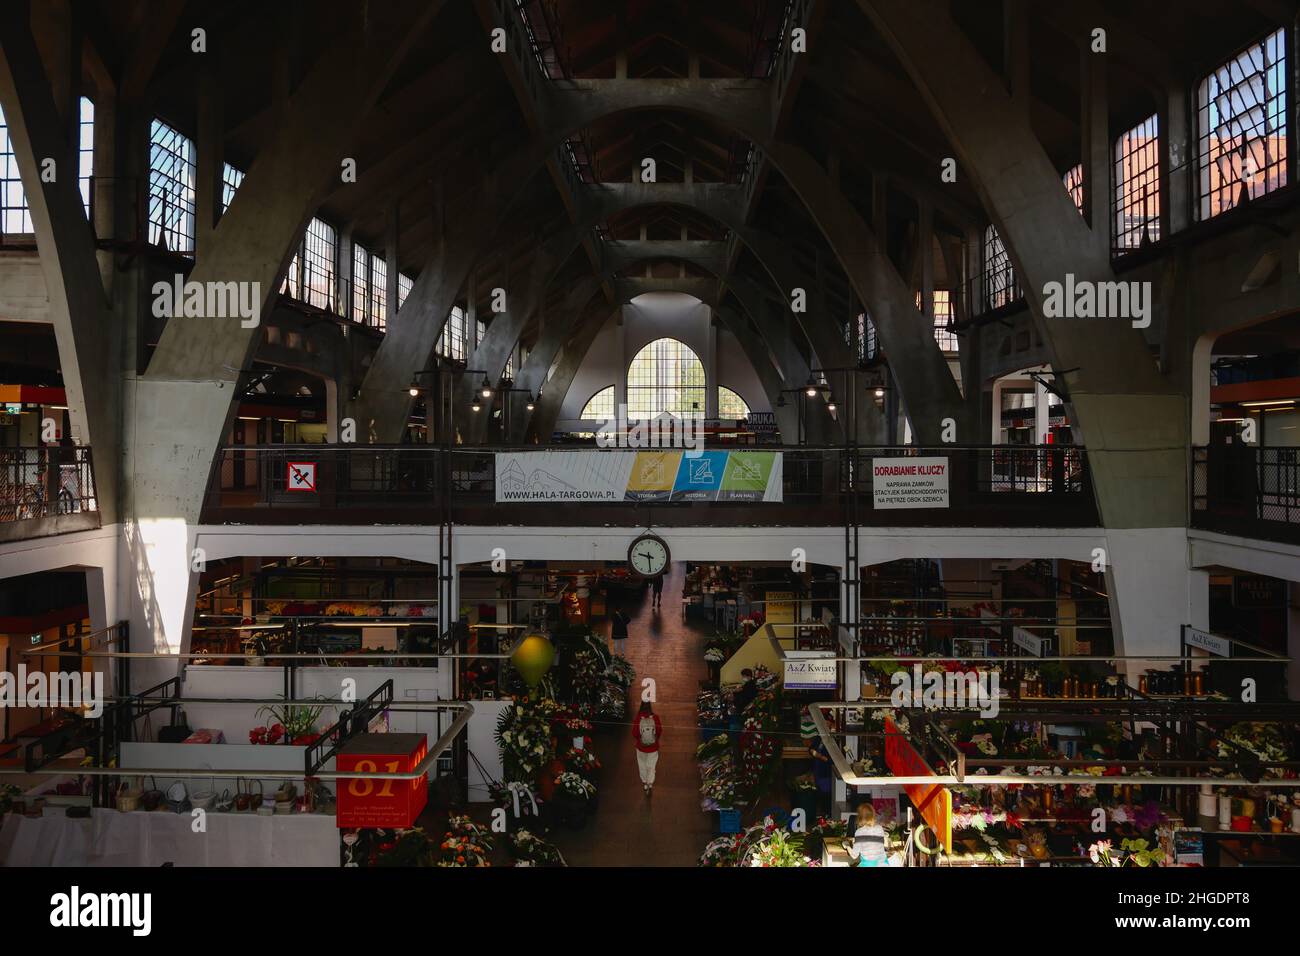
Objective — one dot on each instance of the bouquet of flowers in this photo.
(581, 761)
(613, 701)
(575, 785)
(464, 848)
(620, 671)
(711, 706)
(588, 676)
(719, 787)
(714, 655)
(713, 747)
(524, 735)
(779, 849)
(1130, 853)
(532, 850)
(1265, 741)
(723, 851)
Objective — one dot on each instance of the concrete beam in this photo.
(78, 305)
(1132, 418)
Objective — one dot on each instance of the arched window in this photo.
(665, 376)
(731, 405)
(600, 407)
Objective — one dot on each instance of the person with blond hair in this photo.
(869, 838)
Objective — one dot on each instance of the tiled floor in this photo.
(668, 829)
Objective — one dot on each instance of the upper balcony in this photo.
(1001, 486)
(46, 490)
(1248, 490)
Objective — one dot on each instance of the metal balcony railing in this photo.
(994, 486)
(40, 482)
(1247, 490)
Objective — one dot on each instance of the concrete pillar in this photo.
(1152, 592)
(995, 434)
(208, 143)
(1042, 413)
(1094, 126)
(1015, 51)
(925, 253)
(711, 378)
(391, 251)
(343, 278)
(1176, 168)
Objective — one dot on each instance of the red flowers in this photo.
(263, 735)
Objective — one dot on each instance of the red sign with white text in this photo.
(391, 804)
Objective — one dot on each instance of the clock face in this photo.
(648, 556)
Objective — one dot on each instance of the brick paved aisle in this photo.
(668, 829)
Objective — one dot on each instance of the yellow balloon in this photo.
(533, 658)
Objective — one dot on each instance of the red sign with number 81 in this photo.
(391, 804)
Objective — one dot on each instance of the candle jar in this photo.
(1225, 811)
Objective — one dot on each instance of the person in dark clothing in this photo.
(821, 770)
(618, 632)
(656, 591)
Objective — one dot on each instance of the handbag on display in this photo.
(225, 802)
(178, 797)
(205, 799)
(128, 797)
(243, 798)
(177, 731)
(152, 798)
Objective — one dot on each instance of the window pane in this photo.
(86, 151)
(665, 377)
(231, 178)
(731, 405)
(943, 317)
(171, 189)
(14, 217)
(1241, 127)
(360, 284)
(378, 292)
(320, 264)
(1137, 186)
(1073, 180)
(1000, 287)
(404, 285)
(600, 407)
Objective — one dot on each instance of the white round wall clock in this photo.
(648, 555)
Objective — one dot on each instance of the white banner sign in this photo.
(1194, 637)
(659, 475)
(810, 670)
(909, 482)
(1029, 642)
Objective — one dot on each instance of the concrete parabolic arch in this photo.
(928, 389)
(575, 351)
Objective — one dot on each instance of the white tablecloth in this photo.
(110, 838)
